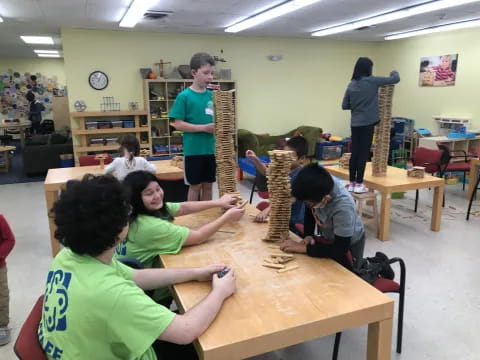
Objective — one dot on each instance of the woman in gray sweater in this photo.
(361, 97)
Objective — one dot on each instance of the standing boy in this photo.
(332, 213)
(193, 114)
(7, 240)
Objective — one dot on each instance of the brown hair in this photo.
(130, 143)
(200, 59)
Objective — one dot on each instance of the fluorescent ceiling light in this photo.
(45, 51)
(392, 16)
(434, 29)
(37, 39)
(49, 55)
(135, 12)
(269, 14)
(1, 19)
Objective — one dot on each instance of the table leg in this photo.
(50, 197)
(384, 227)
(379, 341)
(437, 208)
(472, 179)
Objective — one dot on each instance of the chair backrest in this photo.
(428, 158)
(89, 160)
(174, 190)
(27, 346)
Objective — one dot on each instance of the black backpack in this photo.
(372, 268)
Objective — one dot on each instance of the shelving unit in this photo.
(159, 96)
(82, 135)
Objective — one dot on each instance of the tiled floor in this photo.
(443, 294)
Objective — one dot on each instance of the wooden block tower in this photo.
(224, 146)
(279, 194)
(382, 131)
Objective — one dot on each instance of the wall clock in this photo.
(98, 80)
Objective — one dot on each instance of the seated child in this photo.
(7, 241)
(94, 306)
(331, 210)
(152, 231)
(299, 145)
(131, 159)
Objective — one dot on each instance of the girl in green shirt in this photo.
(152, 231)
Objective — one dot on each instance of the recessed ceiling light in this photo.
(392, 16)
(272, 13)
(434, 29)
(46, 51)
(135, 12)
(37, 39)
(49, 55)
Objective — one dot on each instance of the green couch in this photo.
(262, 144)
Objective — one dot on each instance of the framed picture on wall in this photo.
(438, 70)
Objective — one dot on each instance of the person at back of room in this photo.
(152, 231)
(299, 146)
(361, 98)
(94, 306)
(333, 228)
(35, 112)
(193, 114)
(130, 160)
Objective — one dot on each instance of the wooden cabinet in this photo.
(97, 132)
(159, 97)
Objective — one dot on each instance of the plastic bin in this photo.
(97, 141)
(128, 123)
(104, 124)
(91, 125)
(66, 160)
(111, 140)
(117, 124)
(328, 150)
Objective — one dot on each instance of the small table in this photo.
(6, 156)
(21, 126)
(395, 181)
(472, 180)
(56, 178)
(269, 310)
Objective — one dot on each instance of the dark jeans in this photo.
(361, 143)
(170, 351)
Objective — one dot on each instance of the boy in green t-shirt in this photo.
(94, 306)
(193, 114)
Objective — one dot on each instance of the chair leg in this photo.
(416, 200)
(251, 193)
(464, 176)
(474, 194)
(336, 345)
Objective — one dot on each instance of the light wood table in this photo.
(21, 126)
(396, 181)
(269, 310)
(472, 180)
(56, 178)
(6, 157)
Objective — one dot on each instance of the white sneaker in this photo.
(360, 189)
(4, 335)
(351, 187)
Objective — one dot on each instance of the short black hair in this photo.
(363, 68)
(200, 59)
(136, 182)
(90, 214)
(312, 183)
(130, 143)
(30, 96)
(299, 144)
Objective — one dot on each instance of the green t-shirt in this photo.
(95, 311)
(195, 108)
(149, 236)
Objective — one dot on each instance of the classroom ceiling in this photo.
(47, 17)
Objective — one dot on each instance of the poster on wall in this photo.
(438, 70)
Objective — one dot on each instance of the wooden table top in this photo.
(16, 124)
(396, 179)
(57, 177)
(271, 310)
